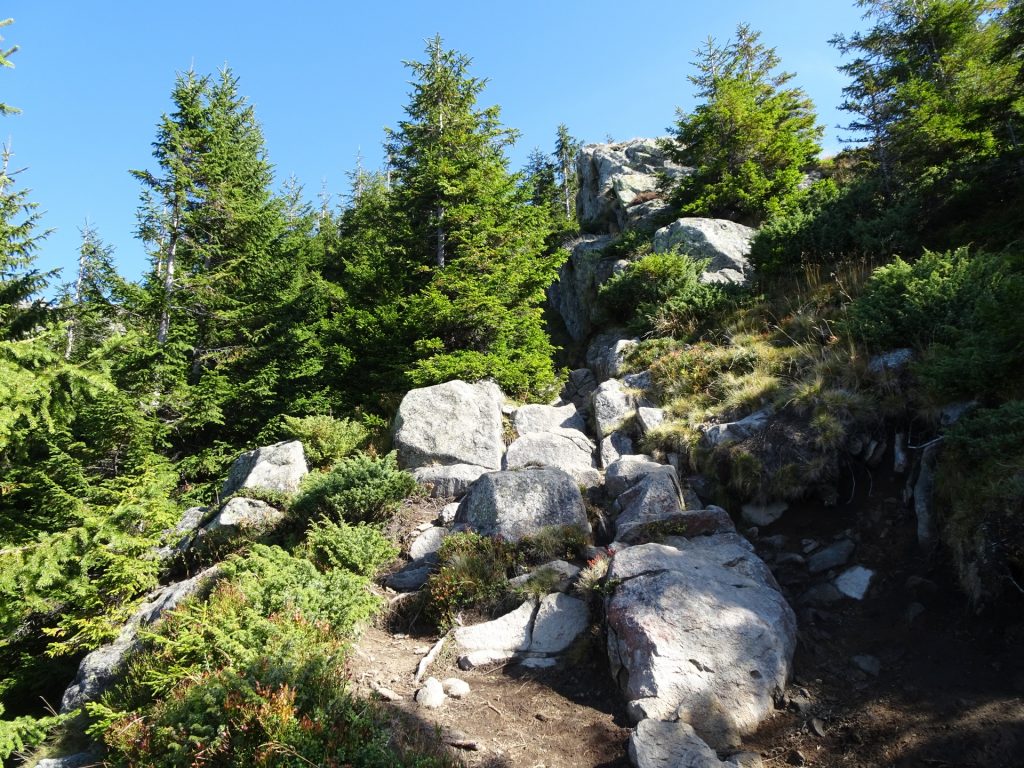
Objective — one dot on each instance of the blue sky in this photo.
(92, 80)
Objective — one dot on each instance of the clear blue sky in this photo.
(325, 77)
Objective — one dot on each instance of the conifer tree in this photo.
(93, 301)
(751, 138)
(475, 242)
(566, 149)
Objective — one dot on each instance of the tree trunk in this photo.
(439, 213)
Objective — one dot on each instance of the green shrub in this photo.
(472, 572)
(662, 292)
(980, 500)
(325, 439)
(360, 488)
(551, 543)
(360, 548)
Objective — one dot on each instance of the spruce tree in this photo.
(475, 242)
(751, 138)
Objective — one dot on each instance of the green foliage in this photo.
(472, 573)
(360, 488)
(361, 549)
(561, 542)
(750, 140)
(664, 293)
(980, 500)
(22, 733)
(959, 306)
(325, 439)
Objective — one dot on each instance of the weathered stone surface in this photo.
(698, 628)
(854, 582)
(447, 516)
(548, 418)
(519, 503)
(410, 578)
(431, 695)
(611, 178)
(725, 243)
(734, 431)
(611, 405)
(179, 538)
(648, 216)
(653, 499)
(278, 467)
(627, 471)
(500, 639)
(568, 450)
(560, 573)
(78, 760)
(578, 387)
(664, 744)
(574, 295)
(607, 354)
(831, 556)
(455, 687)
(893, 362)
(642, 381)
(559, 621)
(450, 423)
(102, 667)
(427, 543)
(239, 517)
(448, 482)
(687, 523)
(763, 514)
(614, 447)
(649, 418)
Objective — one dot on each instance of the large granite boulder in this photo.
(519, 503)
(611, 406)
(725, 243)
(448, 481)
(239, 518)
(698, 630)
(548, 418)
(102, 667)
(567, 449)
(627, 471)
(664, 744)
(451, 423)
(617, 177)
(574, 295)
(278, 467)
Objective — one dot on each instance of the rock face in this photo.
(567, 449)
(548, 418)
(574, 295)
(660, 744)
(725, 243)
(448, 482)
(611, 405)
(240, 517)
(613, 177)
(519, 503)
(607, 352)
(101, 668)
(697, 629)
(278, 467)
(450, 423)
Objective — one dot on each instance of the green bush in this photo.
(360, 548)
(662, 292)
(325, 439)
(252, 677)
(360, 488)
(980, 500)
(472, 573)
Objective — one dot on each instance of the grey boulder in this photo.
(448, 481)
(278, 467)
(548, 418)
(519, 503)
(725, 243)
(567, 449)
(451, 423)
(607, 353)
(612, 405)
(666, 744)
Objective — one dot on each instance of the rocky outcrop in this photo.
(617, 182)
(725, 243)
(607, 352)
(568, 450)
(698, 631)
(611, 406)
(662, 744)
(548, 418)
(519, 503)
(450, 423)
(574, 295)
(102, 667)
(535, 631)
(279, 467)
(240, 518)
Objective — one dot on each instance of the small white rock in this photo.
(456, 688)
(854, 582)
(431, 695)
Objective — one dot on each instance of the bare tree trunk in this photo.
(439, 213)
(165, 312)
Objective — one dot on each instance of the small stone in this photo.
(821, 594)
(539, 663)
(800, 702)
(431, 695)
(763, 514)
(854, 582)
(831, 557)
(745, 760)
(385, 693)
(809, 545)
(869, 664)
(456, 688)
(447, 516)
(817, 727)
(427, 543)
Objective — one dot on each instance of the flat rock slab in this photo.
(278, 467)
(662, 744)
(427, 543)
(567, 449)
(548, 418)
(559, 621)
(687, 523)
(734, 431)
(519, 503)
(451, 423)
(627, 471)
(854, 582)
(697, 629)
(448, 481)
(611, 406)
(532, 631)
(831, 557)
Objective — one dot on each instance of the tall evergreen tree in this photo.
(92, 302)
(751, 138)
(475, 242)
(566, 149)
